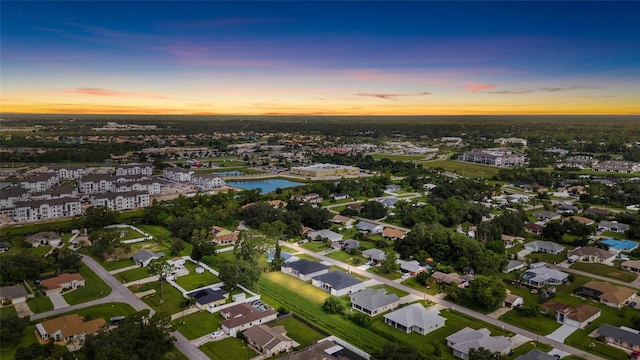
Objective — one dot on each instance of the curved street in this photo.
(120, 294)
(474, 314)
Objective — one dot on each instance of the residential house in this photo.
(367, 227)
(340, 196)
(13, 294)
(68, 328)
(350, 244)
(512, 301)
(509, 240)
(567, 209)
(177, 263)
(338, 283)
(278, 204)
(412, 267)
(597, 212)
(536, 354)
(415, 318)
(311, 198)
(144, 257)
(533, 228)
(222, 236)
(514, 265)
(612, 226)
(35, 210)
(466, 339)
(392, 188)
(304, 269)
(177, 174)
(376, 255)
(606, 293)
(44, 238)
(209, 298)
(581, 219)
(343, 221)
(207, 181)
(619, 246)
(374, 301)
(64, 281)
(135, 169)
(393, 233)
(591, 255)
(631, 265)
(546, 215)
(577, 316)
(544, 247)
(325, 234)
(269, 341)
(40, 182)
(541, 276)
(620, 336)
(389, 203)
(243, 316)
(461, 281)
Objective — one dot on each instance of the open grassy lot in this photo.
(129, 234)
(40, 303)
(7, 311)
(315, 246)
(392, 276)
(345, 257)
(432, 288)
(132, 275)
(604, 270)
(299, 331)
(197, 324)
(528, 346)
(214, 261)
(95, 288)
(548, 258)
(158, 231)
(169, 304)
(194, 280)
(397, 157)
(229, 348)
(463, 168)
(540, 324)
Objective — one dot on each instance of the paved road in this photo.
(634, 284)
(477, 315)
(120, 293)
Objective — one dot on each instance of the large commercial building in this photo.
(323, 170)
(496, 157)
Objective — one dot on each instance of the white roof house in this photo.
(466, 339)
(544, 247)
(543, 275)
(374, 301)
(416, 318)
(325, 234)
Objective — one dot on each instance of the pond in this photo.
(266, 185)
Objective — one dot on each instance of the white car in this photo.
(405, 276)
(217, 334)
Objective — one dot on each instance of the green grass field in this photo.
(40, 304)
(315, 246)
(194, 280)
(463, 168)
(229, 348)
(299, 331)
(540, 324)
(396, 157)
(132, 275)
(197, 324)
(169, 304)
(345, 257)
(604, 270)
(95, 288)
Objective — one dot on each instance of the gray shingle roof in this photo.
(338, 279)
(144, 255)
(304, 266)
(416, 315)
(207, 296)
(373, 298)
(536, 354)
(619, 334)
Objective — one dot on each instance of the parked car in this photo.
(217, 334)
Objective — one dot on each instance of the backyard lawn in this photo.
(299, 331)
(228, 348)
(172, 297)
(194, 280)
(95, 288)
(197, 324)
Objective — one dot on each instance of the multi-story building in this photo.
(122, 200)
(40, 182)
(11, 195)
(68, 172)
(96, 183)
(322, 170)
(207, 181)
(494, 156)
(135, 169)
(617, 166)
(177, 174)
(46, 209)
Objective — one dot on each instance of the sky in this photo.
(320, 57)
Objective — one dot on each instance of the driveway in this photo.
(562, 333)
(23, 309)
(57, 300)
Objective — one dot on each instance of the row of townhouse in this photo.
(122, 201)
(135, 169)
(100, 183)
(40, 182)
(201, 181)
(68, 172)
